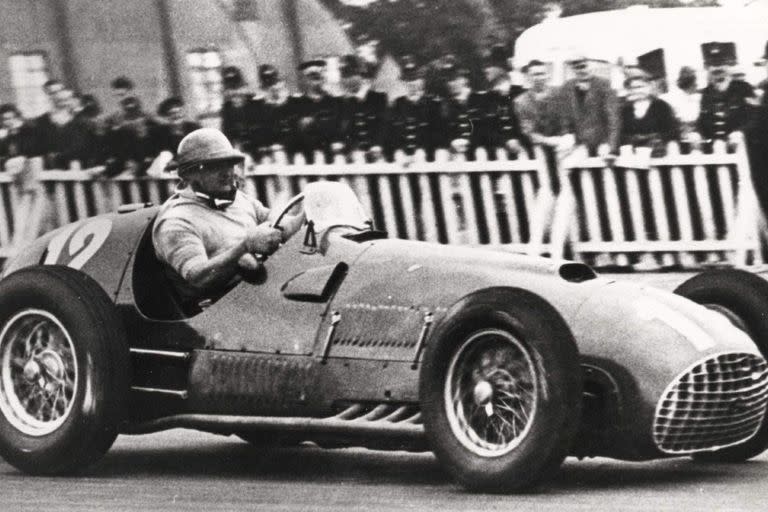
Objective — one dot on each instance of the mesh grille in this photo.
(719, 402)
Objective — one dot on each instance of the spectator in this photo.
(61, 137)
(173, 125)
(236, 118)
(537, 108)
(591, 107)
(415, 120)
(16, 135)
(646, 121)
(133, 144)
(363, 110)
(726, 104)
(468, 115)
(685, 100)
(497, 73)
(316, 114)
(271, 115)
(122, 87)
(502, 122)
(51, 88)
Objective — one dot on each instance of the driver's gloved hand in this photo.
(263, 239)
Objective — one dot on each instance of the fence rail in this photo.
(684, 209)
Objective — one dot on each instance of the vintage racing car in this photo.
(501, 364)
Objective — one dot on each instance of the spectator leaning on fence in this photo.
(539, 112)
(236, 108)
(317, 114)
(63, 137)
(363, 110)
(503, 124)
(646, 121)
(122, 87)
(271, 116)
(415, 119)
(685, 100)
(16, 135)
(726, 104)
(173, 125)
(591, 107)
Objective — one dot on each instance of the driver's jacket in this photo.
(189, 230)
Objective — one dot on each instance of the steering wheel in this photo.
(291, 203)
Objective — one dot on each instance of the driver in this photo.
(209, 233)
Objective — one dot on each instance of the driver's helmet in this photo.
(204, 145)
(331, 203)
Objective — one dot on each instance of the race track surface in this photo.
(184, 470)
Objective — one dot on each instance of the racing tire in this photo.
(511, 349)
(743, 298)
(64, 370)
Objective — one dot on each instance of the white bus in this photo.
(621, 36)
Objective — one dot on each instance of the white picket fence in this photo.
(688, 210)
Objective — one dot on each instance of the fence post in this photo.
(747, 217)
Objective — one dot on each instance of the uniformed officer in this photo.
(271, 115)
(363, 110)
(316, 114)
(726, 104)
(503, 124)
(763, 86)
(235, 110)
(415, 118)
(208, 233)
(468, 115)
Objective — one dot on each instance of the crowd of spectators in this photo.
(585, 110)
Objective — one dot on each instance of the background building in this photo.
(165, 46)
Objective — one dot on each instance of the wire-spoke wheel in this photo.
(500, 390)
(490, 393)
(64, 370)
(38, 372)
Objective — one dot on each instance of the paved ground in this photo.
(183, 470)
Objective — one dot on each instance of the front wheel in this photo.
(64, 370)
(742, 297)
(500, 391)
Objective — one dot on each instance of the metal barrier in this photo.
(500, 202)
(686, 210)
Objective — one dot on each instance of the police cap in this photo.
(718, 53)
(232, 77)
(268, 76)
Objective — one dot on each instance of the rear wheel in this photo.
(742, 297)
(500, 389)
(64, 370)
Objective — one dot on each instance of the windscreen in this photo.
(330, 203)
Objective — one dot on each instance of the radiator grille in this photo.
(719, 402)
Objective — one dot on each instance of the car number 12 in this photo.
(84, 241)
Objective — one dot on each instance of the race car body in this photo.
(502, 364)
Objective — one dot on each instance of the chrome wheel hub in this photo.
(38, 372)
(491, 393)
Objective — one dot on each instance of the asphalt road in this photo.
(183, 470)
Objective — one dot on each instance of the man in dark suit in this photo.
(236, 117)
(503, 124)
(363, 110)
(270, 113)
(316, 114)
(727, 105)
(469, 116)
(415, 117)
(16, 135)
(646, 121)
(590, 106)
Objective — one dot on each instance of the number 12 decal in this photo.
(83, 244)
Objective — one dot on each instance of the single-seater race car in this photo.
(501, 364)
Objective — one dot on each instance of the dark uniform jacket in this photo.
(655, 129)
(17, 143)
(504, 124)
(472, 118)
(316, 124)
(61, 144)
(272, 123)
(723, 112)
(363, 120)
(168, 136)
(237, 121)
(136, 139)
(415, 125)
